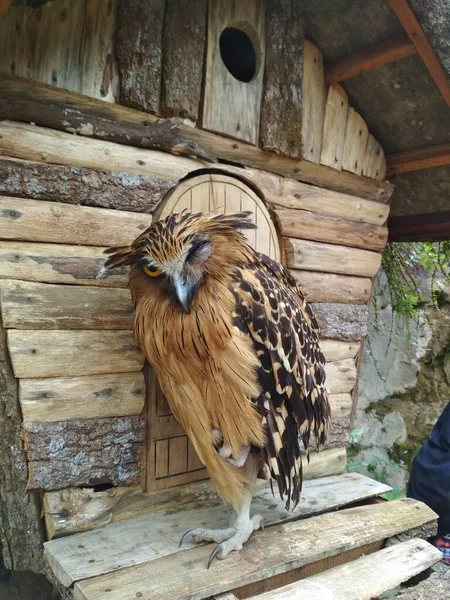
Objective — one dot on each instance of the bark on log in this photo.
(21, 531)
(139, 52)
(281, 109)
(342, 321)
(184, 42)
(84, 452)
(78, 185)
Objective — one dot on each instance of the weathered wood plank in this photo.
(342, 321)
(57, 183)
(184, 41)
(29, 305)
(365, 578)
(282, 92)
(329, 287)
(356, 135)
(192, 138)
(341, 376)
(49, 400)
(231, 106)
(334, 127)
(323, 228)
(161, 529)
(314, 256)
(58, 263)
(39, 221)
(72, 353)
(138, 50)
(374, 163)
(295, 544)
(83, 452)
(314, 99)
(73, 509)
(337, 350)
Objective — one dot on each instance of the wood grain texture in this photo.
(231, 106)
(203, 506)
(365, 578)
(73, 353)
(421, 158)
(86, 397)
(374, 163)
(356, 135)
(58, 263)
(314, 99)
(138, 50)
(83, 452)
(282, 90)
(342, 321)
(337, 350)
(323, 228)
(296, 544)
(329, 287)
(340, 376)
(184, 47)
(87, 187)
(314, 256)
(39, 221)
(334, 127)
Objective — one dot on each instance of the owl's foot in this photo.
(232, 538)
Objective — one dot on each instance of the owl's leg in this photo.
(232, 538)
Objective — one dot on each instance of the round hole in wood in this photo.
(238, 53)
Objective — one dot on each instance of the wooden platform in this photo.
(140, 557)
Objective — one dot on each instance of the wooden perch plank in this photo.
(184, 41)
(365, 578)
(342, 321)
(282, 93)
(356, 136)
(83, 452)
(313, 256)
(38, 221)
(415, 160)
(204, 143)
(328, 287)
(87, 397)
(369, 58)
(28, 305)
(138, 43)
(314, 100)
(334, 127)
(54, 263)
(64, 554)
(294, 545)
(340, 376)
(323, 228)
(57, 183)
(374, 163)
(72, 353)
(412, 27)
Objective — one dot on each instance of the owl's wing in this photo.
(272, 311)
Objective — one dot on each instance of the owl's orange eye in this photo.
(151, 271)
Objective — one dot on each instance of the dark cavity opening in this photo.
(238, 54)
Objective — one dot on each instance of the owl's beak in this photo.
(185, 293)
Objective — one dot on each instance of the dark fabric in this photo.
(430, 473)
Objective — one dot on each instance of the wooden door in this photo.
(170, 458)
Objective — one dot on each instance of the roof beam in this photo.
(369, 58)
(412, 27)
(4, 5)
(416, 160)
(431, 227)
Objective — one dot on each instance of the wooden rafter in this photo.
(415, 32)
(415, 160)
(369, 58)
(420, 228)
(4, 5)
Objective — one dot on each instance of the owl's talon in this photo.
(184, 537)
(216, 552)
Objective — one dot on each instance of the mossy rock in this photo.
(404, 453)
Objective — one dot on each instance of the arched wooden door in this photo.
(170, 458)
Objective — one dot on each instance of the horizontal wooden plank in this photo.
(58, 263)
(341, 376)
(307, 225)
(337, 350)
(328, 258)
(302, 196)
(72, 353)
(83, 452)
(294, 545)
(365, 578)
(342, 321)
(330, 287)
(162, 528)
(427, 227)
(421, 158)
(80, 509)
(96, 396)
(55, 222)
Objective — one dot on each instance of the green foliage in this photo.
(403, 262)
